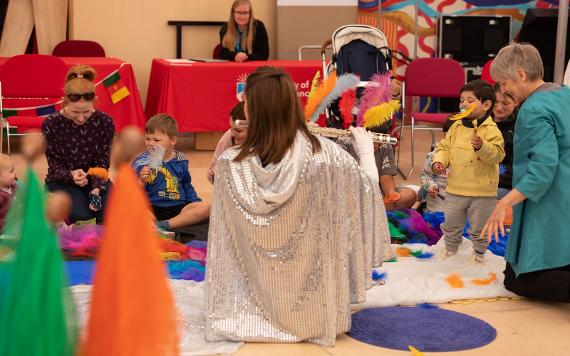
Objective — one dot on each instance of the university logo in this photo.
(240, 87)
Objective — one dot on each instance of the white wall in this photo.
(137, 31)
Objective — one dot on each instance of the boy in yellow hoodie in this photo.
(473, 148)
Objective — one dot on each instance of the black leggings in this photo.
(548, 284)
(79, 201)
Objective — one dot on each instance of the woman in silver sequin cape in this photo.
(295, 228)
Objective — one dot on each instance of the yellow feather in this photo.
(321, 91)
(415, 352)
(464, 114)
(379, 114)
(315, 83)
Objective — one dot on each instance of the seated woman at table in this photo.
(243, 38)
(79, 137)
(234, 136)
(295, 228)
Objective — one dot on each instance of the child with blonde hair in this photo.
(174, 201)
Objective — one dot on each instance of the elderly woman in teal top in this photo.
(538, 250)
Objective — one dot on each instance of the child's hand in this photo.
(95, 202)
(79, 177)
(476, 141)
(144, 174)
(437, 168)
(433, 191)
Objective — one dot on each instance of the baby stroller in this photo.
(357, 49)
(361, 50)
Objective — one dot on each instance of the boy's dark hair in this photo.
(164, 123)
(482, 91)
(237, 112)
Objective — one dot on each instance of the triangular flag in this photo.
(37, 314)
(116, 87)
(132, 309)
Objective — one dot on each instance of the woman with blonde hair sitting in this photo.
(244, 37)
(296, 225)
(79, 137)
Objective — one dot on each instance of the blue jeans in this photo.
(79, 201)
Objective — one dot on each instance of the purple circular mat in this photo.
(430, 330)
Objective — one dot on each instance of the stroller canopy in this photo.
(346, 34)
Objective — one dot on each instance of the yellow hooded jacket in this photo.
(473, 173)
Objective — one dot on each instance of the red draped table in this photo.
(200, 95)
(125, 112)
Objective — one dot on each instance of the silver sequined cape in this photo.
(291, 245)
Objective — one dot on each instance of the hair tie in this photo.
(79, 75)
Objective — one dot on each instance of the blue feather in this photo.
(343, 83)
(378, 275)
(426, 306)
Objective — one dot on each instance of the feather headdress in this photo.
(346, 105)
(314, 84)
(332, 90)
(379, 114)
(376, 93)
(318, 93)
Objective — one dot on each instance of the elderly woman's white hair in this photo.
(517, 56)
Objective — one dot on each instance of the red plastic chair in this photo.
(429, 77)
(486, 73)
(30, 80)
(78, 48)
(217, 52)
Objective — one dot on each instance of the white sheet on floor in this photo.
(411, 280)
(191, 304)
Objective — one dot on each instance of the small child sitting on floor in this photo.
(174, 201)
(234, 136)
(7, 186)
(432, 191)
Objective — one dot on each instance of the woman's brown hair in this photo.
(79, 80)
(274, 116)
(229, 40)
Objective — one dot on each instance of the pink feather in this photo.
(376, 93)
(346, 104)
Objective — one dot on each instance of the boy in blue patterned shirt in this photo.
(174, 201)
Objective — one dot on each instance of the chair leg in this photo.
(409, 173)
(432, 139)
(412, 144)
(8, 139)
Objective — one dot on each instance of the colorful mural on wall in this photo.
(398, 23)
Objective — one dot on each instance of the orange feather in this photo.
(99, 173)
(321, 91)
(455, 281)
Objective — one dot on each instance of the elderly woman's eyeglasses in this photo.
(242, 13)
(76, 97)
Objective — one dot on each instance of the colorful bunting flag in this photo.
(116, 87)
